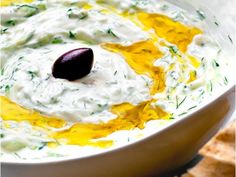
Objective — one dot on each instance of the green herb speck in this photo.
(164, 7)
(82, 15)
(110, 32)
(182, 114)
(211, 86)
(32, 74)
(7, 89)
(42, 145)
(201, 14)
(173, 49)
(10, 23)
(219, 51)
(69, 13)
(226, 81)
(1, 71)
(28, 10)
(202, 93)
(216, 23)
(72, 35)
(178, 104)
(230, 39)
(4, 30)
(57, 40)
(216, 64)
(192, 107)
(54, 100)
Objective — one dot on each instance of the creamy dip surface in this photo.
(153, 64)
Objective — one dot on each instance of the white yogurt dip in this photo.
(34, 35)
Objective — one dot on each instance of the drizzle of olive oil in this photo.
(9, 2)
(192, 76)
(141, 57)
(14, 112)
(194, 61)
(87, 6)
(128, 117)
(173, 31)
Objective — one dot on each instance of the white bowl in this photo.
(165, 150)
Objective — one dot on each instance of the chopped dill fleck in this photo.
(83, 15)
(173, 49)
(10, 23)
(216, 64)
(211, 86)
(57, 40)
(69, 12)
(72, 35)
(102, 105)
(216, 23)
(7, 88)
(53, 100)
(80, 15)
(110, 32)
(20, 58)
(48, 77)
(41, 104)
(178, 104)
(4, 30)
(2, 135)
(182, 114)
(168, 97)
(230, 39)
(226, 81)
(17, 155)
(192, 107)
(202, 93)
(42, 145)
(201, 14)
(1, 71)
(164, 7)
(32, 74)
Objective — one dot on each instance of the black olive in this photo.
(74, 64)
